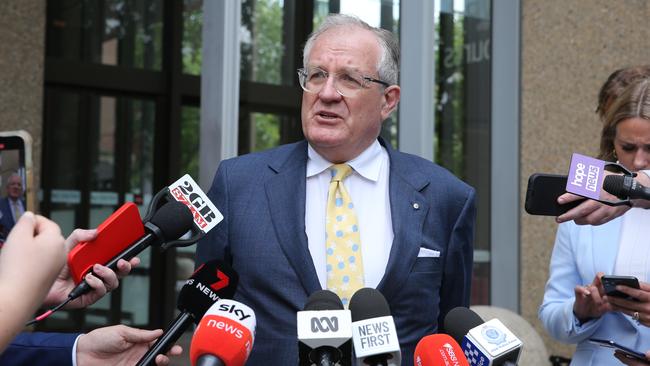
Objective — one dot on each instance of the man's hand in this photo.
(119, 345)
(108, 280)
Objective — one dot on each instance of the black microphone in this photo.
(623, 186)
(168, 223)
(212, 281)
(373, 330)
(324, 331)
(484, 343)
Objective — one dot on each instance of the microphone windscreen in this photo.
(226, 331)
(173, 219)
(210, 282)
(368, 303)
(614, 184)
(459, 321)
(439, 350)
(324, 300)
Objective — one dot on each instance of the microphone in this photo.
(623, 187)
(224, 336)
(484, 343)
(324, 331)
(439, 350)
(212, 281)
(373, 330)
(168, 223)
(186, 209)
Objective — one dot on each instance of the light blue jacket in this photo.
(579, 253)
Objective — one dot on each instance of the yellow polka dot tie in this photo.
(343, 243)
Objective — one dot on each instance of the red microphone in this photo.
(224, 336)
(439, 350)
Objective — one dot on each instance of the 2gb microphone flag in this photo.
(205, 213)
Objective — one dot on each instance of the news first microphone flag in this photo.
(343, 242)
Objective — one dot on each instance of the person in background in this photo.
(575, 307)
(593, 212)
(343, 210)
(12, 206)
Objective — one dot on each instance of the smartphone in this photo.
(542, 193)
(114, 235)
(16, 193)
(611, 281)
(626, 351)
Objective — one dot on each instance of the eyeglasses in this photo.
(347, 83)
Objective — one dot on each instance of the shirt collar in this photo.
(367, 164)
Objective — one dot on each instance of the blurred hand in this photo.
(589, 302)
(629, 307)
(107, 281)
(29, 262)
(119, 345)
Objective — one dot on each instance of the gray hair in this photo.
(388, 65)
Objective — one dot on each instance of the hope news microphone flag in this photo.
(324, 331)
(625, 187)
(212, 281)
(373, 329)
(438, 350)
(225, 335)
(484, 343)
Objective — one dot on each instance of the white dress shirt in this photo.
(368, 189)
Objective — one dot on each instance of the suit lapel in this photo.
(605, 239)
(408, 211)
(285, 193)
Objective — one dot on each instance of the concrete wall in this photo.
(569, 48)
(22, 50)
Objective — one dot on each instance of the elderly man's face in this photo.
(338, 127)
(14, 187)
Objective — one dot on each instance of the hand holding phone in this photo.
(542, 193)
(611, 281)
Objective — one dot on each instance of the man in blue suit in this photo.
(12, 206)
(416, 220)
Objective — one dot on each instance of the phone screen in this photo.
(15, 179)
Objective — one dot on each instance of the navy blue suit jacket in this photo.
(262, 198)
(7, 220)
(36, 349)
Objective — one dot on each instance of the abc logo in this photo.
(324, 324)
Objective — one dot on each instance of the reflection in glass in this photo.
(265, 131)
(192, 36)
(462, 109)
(112, 32)
(100, 150)
(190, 117)
(263, 41)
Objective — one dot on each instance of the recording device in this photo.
(324, 331)
(611, 281)
(625, 187)
(483, 343)
(373, 330)
(542, 193)
(225, 335)
(439, 350)
(212, 281)
(174, 211)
